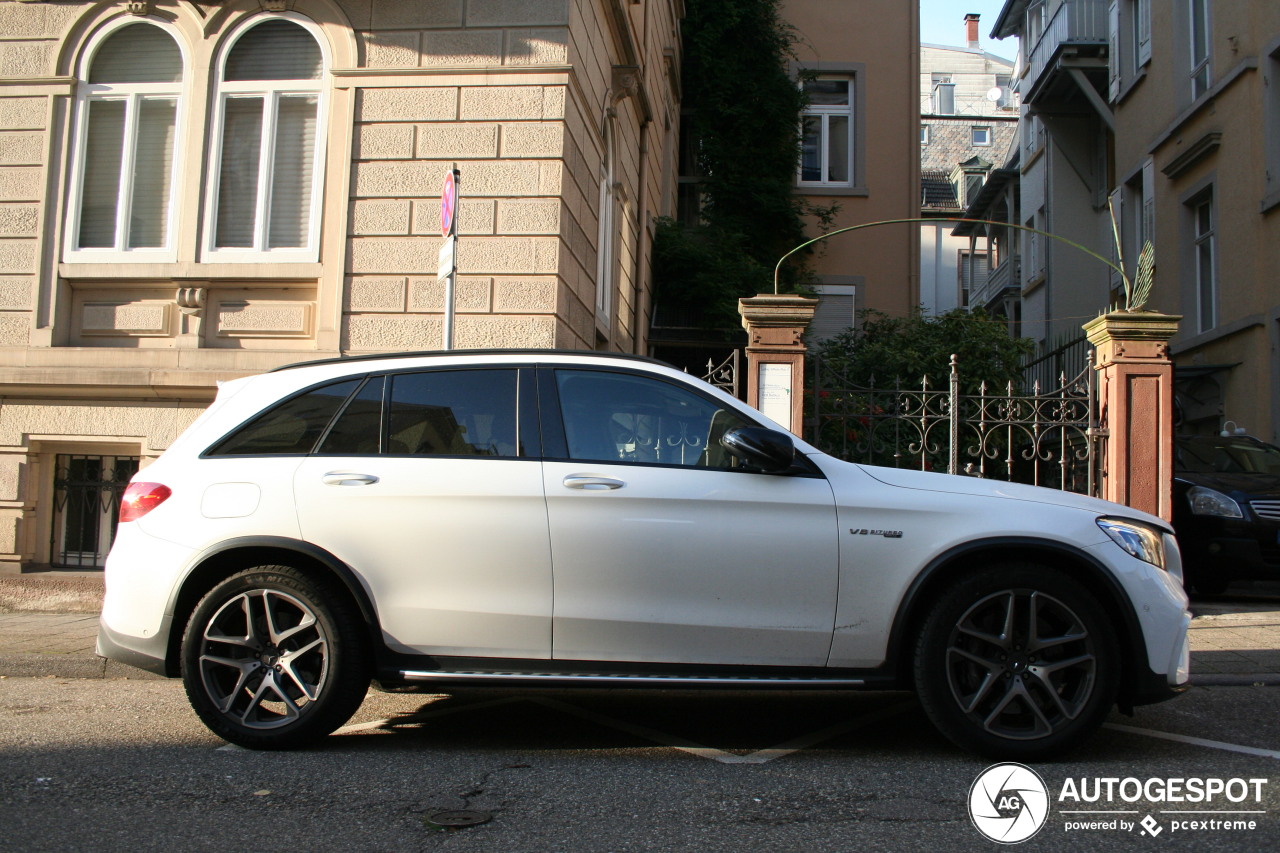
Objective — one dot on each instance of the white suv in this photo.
(552, 519)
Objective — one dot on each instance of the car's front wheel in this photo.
(1017, 661)
(275, 659)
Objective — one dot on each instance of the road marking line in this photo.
(1196, 741)
(393, 722)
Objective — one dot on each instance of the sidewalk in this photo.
(49, 625)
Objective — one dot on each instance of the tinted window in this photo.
(615, 417)
(359, 428)
(453, 413)
(293, 426)
(1227, 456)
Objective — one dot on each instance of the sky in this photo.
(942, 22)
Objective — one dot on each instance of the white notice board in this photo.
(775, 392)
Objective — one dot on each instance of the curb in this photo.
(1261, 679)
(37, 665)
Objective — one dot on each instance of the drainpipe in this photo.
(638, 330)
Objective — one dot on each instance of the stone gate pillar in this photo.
(775, 354)
(1135, 395)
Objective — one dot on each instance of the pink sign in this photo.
(448, 204)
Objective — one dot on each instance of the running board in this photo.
(623, 679)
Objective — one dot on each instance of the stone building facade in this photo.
(1166, 113)
(194, 191)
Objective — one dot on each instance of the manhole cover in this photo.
(459, 818)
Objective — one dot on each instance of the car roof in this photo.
(463, 353)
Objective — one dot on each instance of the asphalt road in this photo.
(125, 765)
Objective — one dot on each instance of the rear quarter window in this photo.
(291, 427)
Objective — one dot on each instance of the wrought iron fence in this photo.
(725, 374)
(1067, 359)
(1044, 436)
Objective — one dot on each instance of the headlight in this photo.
(1137, 539)
(1208, 502)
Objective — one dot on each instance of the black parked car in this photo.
(1226, 510)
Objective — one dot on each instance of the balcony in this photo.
(1074, 37)
(1001, 279)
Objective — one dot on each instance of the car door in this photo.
(662, 551)
(428, 485)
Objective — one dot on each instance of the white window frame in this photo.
(607, 233)
(943, 83)
(1205, 242)
(133, 93)
(981, 130)
(1201, 76)
(1005, 101)
(271, 92)
(825, 112)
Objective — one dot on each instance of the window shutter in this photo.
(1142, 13)
(152, 173)
(833, 315)
(1148, 203)
(138, 53)
(295, 150)
(238, 172)
(1116, 207)
(1113, 50)
(275, 50)
(104, 158)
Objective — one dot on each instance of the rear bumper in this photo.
(146, 653)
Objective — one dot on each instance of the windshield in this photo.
(1227, 456)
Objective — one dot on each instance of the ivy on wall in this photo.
(742, 127)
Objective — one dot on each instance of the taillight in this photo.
(140, 498)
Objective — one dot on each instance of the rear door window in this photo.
(453, 413)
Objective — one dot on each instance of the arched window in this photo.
(264, 192)
(122, 190)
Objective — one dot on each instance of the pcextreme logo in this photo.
(1008, 803)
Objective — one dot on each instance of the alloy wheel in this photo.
(264, 658)
(1021, 664)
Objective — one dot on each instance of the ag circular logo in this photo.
(1008, 803)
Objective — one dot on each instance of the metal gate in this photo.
(86, 507)
(1045, 437)
(725, 374)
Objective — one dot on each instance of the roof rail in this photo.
(344, 359)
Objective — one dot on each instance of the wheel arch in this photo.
(949, 567)
(226, 558)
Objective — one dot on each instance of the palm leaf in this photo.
(1145, 277)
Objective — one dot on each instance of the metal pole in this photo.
(953, 460)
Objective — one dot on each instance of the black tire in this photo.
(1017, 661)
(275, 659)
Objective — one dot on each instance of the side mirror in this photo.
(762, 449)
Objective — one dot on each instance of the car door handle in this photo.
(591, 483)
(348, 478)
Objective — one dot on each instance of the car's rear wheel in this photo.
(1018, 661)
(275, 659)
